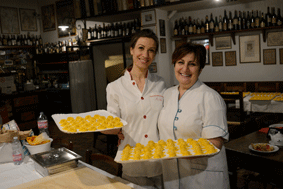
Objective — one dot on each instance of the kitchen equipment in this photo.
(275, 133)
(55, 161)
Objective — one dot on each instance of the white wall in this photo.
(243, 71)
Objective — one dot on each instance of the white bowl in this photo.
(35, 149)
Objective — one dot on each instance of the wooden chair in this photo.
(104, 162)
(60, 142)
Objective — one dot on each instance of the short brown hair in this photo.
(144, 33)
(186, 48)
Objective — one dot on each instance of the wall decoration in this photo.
(148, 17)
(249, 49)
(48, 17)
(163, 45)
(9, 20)
(162, 27)
(269, 56)
(230, 58)
(275, 38)
(66, 17)
(28, 20)
(217, 59)
(223, 42)
(205, 43)
(152, 67)
(281, 55)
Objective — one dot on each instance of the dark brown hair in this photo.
(186, 48)
(144, 33)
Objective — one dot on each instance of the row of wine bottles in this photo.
(243, 20)
(20, 40)
(114, 30)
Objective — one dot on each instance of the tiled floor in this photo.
(84, 141)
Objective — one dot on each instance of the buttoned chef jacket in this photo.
(140, 110)
(201, 112)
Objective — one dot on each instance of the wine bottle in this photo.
(176, 28)
(248, 20)
(257, 20)
(202, 26)
(182, 26)
(235, 21)
(225, 21)
(262, 21)
(252, 20)
(279, 18)
(89, 33)
(240, 21)
(194, 27)
(4, 41)
(268, 18)
(244, 20)
(1, 43)
(273, 17)
(211, 24)
(220, 24)
(95, 32)
(206, 24)
(230, 21)
(186, 27)
(190, 26)
(198, 27)
(216, 25)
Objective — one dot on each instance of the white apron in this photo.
(141, 111)
(201, 112)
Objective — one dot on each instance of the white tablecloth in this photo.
(12, 175)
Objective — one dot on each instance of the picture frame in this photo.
(9, 20)
(152, 67)
(48, 18)
(66, 16)
(223, 42)
(269, 56)
(249, 49)
(162, 27)
(205, 43)
(275, 38)
(28, 19)
(217, 59)
(230, 58)
(281, 55)
(148, 17)
(163, 45)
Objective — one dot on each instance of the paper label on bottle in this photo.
(17, 157)
(42, 124)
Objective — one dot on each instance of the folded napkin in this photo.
(264, 130)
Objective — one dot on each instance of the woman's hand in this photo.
(111, 132)
(120, 136)
(218, 142)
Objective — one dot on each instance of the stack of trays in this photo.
(55, 161)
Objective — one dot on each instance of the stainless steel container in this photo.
(55, 161)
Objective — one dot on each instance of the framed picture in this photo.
(66, 17)
(48, 17)
(230, 58)
(275, 38)
(162, 27)
(281, 55)
(217, 59)
(148, 17)
(205, 43)
(163, 45)
(269, 56)
(152, 67)
(223, 43)
(9, 20)
(249, 49)
(28, 20)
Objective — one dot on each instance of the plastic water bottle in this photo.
(18, 155)
(42, 123)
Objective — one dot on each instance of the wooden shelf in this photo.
(65, 62)
(17, 47)
(232, 33)
(109, 40)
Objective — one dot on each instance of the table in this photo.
(25, 175)
(238, 155)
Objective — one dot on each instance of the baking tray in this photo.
(178, 155)
(58, 117)
(54, 161)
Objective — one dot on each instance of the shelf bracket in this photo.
(210, 36)
(233, 38)
(171, 14)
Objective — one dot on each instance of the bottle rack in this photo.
(232, 33)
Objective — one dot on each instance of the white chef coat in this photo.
(140, 110)
(201, 112)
